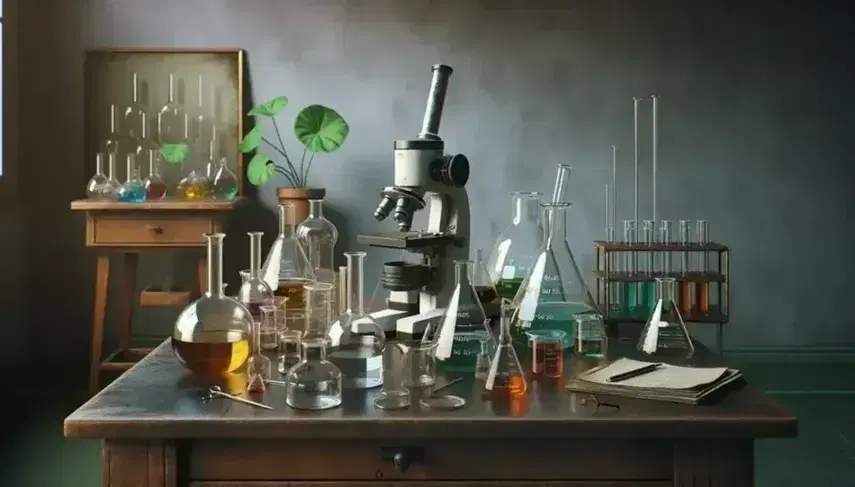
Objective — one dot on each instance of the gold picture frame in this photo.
(125, 84)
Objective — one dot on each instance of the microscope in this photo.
(425, 177)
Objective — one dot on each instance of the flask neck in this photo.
(113, 130)
(665, 289)
(254, 253)
(143, 125)
(200, 94)
(463, 271)
(314, 349)
(256, 337)
(286, 228)
(355, 281)
(130, 166)
(171, 88)
(152, 163)
(215, 264)
(316, 208)
(99, 164)
(505, 322)
(136, 90)
(554, 224)
(111, 165)
(526, 207)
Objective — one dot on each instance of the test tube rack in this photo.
(610, 255)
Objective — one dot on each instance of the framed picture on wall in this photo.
(176, 111)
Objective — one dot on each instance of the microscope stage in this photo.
(407, 240)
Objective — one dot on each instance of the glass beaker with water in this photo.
(516, 249)
(356, 340)
(554, 291)
(665, 334)
(464, 324)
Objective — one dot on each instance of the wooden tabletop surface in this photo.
(160, 205)
(158, 399)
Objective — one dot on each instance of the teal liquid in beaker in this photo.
(556, 315)
(630, 297)
(648, 296)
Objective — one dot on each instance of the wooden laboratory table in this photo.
(157, 432)
(129, 229)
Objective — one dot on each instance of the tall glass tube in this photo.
(684, 297)
(666, 236)
(214, 283)
(355, 261)
(318, 309)
(341, 295)
(560, 189)
(613, 287)
(648, 288)
(630, 288)
(702, 289)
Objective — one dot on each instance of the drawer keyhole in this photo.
(155, 229)
(403, 457)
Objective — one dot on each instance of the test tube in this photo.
(613, 287)
(630, 288)
(341, 294)
(666, 236)
(685, 294)
(702, 289)
(648, 289)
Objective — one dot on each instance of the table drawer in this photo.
(482, 459)
(146, 230)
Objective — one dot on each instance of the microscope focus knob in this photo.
(452, 170)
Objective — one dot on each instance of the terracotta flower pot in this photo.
(299, 197)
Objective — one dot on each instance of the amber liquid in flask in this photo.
(213, 353)
(286, 269)
(506, 379)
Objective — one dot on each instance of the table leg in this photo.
(202, 271)
(139, 464)
(102, 276)
(714, 463)
(127, 299)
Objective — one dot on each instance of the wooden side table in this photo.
(131, 229)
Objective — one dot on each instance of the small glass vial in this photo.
(224, 185)
(254, 292)
(112, 187)
(314, 383)
(318, 237)
(192, 187)
(482, 365)
(268, 328)
(95, 186)
(133, 191)
(258, 367)
(155, 188)
(591, 339)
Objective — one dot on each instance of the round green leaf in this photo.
(321, 129)
(175, 153)
(260, 169)
(251, 140)
(269, 109)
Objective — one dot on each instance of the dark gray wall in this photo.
(754, 135)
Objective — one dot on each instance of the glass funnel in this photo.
(212, 335)
(506, 378)
(665, 334)
(517, 247)
(318, 236)
(155, 188)
(112, 187)
(133, 191)
(315, 382)
(356, 340)
(484, 287)
(464, 325)
(286, 269)
(554, 290)
(224, 185)
(192, 187)
(254, 292)
(95, 187)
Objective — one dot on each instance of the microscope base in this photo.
(388, 318)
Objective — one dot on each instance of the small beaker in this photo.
(281, 303)
(546, 348)
(394, 395)
(591, 340)
(290, 350)
(267, 327)
(419, 376)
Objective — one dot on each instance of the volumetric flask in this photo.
(665, 333)
(318, 236)
(463, 325)
(286, 269)
(554, 291)
(506, 379)
(314, 383)
(546, 349)
(517, 247)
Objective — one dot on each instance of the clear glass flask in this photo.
(554, 291)
(464, 324)
(133, 191)
(356, 340)
(112, 187)
(135, 116)
(212, 335)
(172, 121)
(224, 185)
(648, 288)
(516, 249)
(665, 334)
(484, 287)
(192, 187)
(630, 266)
(702, 289)
(482, 363)
(318, 237)
(155, 188)
(267, 331)
(318, 309)
(115, 142)
(286, 269)
(506, 378)
(96, 185)
(684, 296)
(255, 293)
(315, 382)
(258, 367)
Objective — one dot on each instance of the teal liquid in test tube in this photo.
(648, 288)
(630, 266)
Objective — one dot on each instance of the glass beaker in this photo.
(155, 188)
(224, 186)
(211, 335)
(290, 346)
(546, 349)
(463, 325)
(517, 247)
(112, 187)
(133, 191)
(314, 383)
(286, 269)
(193, 187)
(554, 291)
(591, 343)
(394, 394)
(95, 187)
(356, 340)
(318, 309)
(258, 367)
(268, 333)
(255, 293)
(484, 287)
(318, 236)
(665, 333)
(506, 379)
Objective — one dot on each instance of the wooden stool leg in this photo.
(102, 277)
(202, 270)
(127, 299)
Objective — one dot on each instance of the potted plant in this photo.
(320, 129)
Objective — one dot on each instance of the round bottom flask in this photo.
(314, 383)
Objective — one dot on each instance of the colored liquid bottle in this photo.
(193, 187)
(224, 185)
(133, 191)
(155, 188)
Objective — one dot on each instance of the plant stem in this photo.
(282, 153)
(282, 143)
(303, 175)
(282, 171)
(309, 165)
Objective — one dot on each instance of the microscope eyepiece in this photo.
(384, 208)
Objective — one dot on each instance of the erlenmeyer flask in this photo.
(318, 237)
(286, 269)
(155, 188)
(464, 325)
(506, 379)
(517, 247)
(554, 291)
(484, 287)
(665, 334)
